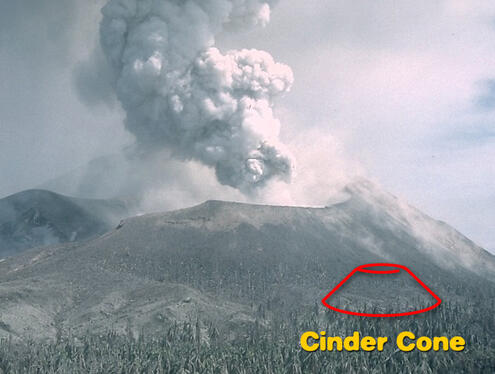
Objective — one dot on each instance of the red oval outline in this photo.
(363, 269)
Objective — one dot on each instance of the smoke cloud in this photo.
(181, 93)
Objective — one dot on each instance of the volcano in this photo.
(231, 265)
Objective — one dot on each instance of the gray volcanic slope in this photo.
(39, 218)
(227, 263)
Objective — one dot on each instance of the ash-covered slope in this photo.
(39, 218)
(229, 264)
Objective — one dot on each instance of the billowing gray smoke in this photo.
(181, 93)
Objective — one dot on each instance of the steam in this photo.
(182, 94)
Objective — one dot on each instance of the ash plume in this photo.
(181, 93)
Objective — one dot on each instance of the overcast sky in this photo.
(404, 89)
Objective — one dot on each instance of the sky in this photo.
(402, 91)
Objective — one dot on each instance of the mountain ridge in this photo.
(38, 217)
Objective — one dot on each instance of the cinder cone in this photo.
(381, 290)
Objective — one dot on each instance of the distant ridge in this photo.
(38, 218)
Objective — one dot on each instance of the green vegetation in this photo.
(200, 348)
